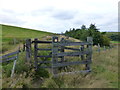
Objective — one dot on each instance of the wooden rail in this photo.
(9, 57)
(58, 51)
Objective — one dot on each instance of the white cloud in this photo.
(60, 15)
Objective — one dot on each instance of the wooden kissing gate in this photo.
(58, 51)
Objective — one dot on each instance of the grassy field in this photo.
(104, 68)
(115, 42)
(110, 33)
(104, 74)
(11, 33)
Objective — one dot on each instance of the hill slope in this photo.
(10, 32)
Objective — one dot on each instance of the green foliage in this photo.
(115, 37)
(7, 69)
(106, 40)
(41, 73)
(92, 31)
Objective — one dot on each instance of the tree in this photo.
(92, 31)
(83, 27)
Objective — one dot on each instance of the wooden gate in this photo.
(58, 52)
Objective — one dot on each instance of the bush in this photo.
(106, 40)
(41, 73)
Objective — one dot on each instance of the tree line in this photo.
(92, 31)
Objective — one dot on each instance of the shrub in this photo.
(105, 40)
(41, 73)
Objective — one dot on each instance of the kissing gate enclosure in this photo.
(58, 51)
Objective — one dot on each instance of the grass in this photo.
(9, 33)
(104, 74)
(115, 42)
(104, 67)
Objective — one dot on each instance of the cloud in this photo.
(10, 20)
(58, 16)
(64, 15)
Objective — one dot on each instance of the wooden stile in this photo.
(62, 50)
(36, 53)
(28, 50)
(89, 56)
(54, 54)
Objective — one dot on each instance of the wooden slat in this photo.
(71, 63)
(41, 42)
(72, 48)
(82, 71)
(45, 67)
(8, 59)
(46, 49)
(44, 61)
(36, 53)
(71, 43)
(47, 61)
(44, 56)
(54, 56)
(72, 53)
(4, 56)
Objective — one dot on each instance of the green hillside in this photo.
(18, 34)
(10, 32)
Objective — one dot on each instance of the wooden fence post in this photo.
(98, 47)
(36, 53)
(14, 64)
(14, 41)
(82, 49)
(89, 56)
(54, 54)
(28, 50)
(62, 50)
(104, 48)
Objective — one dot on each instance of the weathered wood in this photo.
(44, 56)
(8, 59)
(104, 48)
(54, 54)
(13, 53)
(36, 53)
(44, 49)
(71, 63)
(47, 61)
(89, 56)
(62, 50)
(44, 61)
(14, 41)
(45, 67)
(41, 42)
(72, 53)
(98, 47)
(82, 50)
(13, 69)
(71, 43)
(28, 50)
(72, 48)
(24, 45)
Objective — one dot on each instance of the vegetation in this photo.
(104, 74)
(104, 65)
(18, 34)
(92, 31)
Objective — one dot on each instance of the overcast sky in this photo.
(60, 15)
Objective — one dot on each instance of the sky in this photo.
(60, 15)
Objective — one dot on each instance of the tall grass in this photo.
(104, 74)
